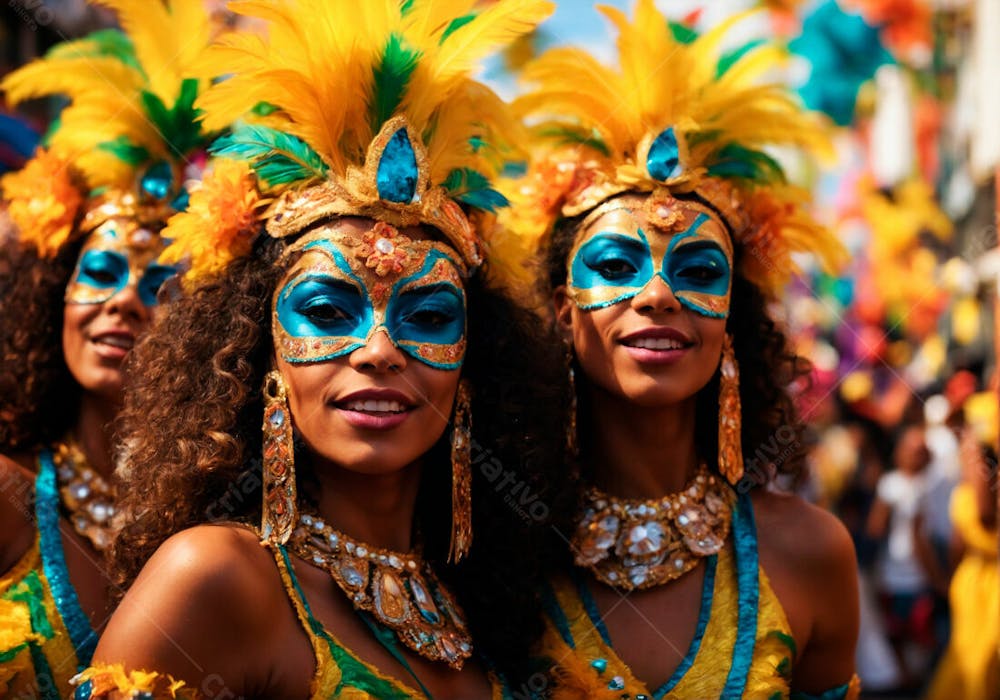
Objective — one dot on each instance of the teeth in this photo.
(116, 341)
(373, 406)
(657, 344)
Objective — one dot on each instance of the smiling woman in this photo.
(80, 280)
(343, 358)
(669, 229)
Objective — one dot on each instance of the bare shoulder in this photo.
(199, 603)
(17, 520)
(809, 557)
(797, 531)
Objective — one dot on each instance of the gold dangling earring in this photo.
(730, 416)
(279, 511)
(572, 446)
(461, 474)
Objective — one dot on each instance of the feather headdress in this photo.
(679, 114)
(130, 128)
(364, 109)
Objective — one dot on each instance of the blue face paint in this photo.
(617, 261)
(108, 264)
(334, 302)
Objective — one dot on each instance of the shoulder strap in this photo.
(81, 634)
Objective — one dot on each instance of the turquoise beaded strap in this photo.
(81, 634)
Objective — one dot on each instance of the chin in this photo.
(658, 394)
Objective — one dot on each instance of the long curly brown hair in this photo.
(38, 395)
(192, 418)
(773, 436)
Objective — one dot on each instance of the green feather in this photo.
(405, 7)
(785, 639)
(109, 43)
(177, 125)
(392, 75)
(568, 135)
(738, 162)
(471, 187)
(455, 25)
(263, 109)
(125, 151)
(277, 158)
(730, 58)
(682, 33)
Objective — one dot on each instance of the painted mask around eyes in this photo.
(347, 286)
(683, 243)
(118, 253)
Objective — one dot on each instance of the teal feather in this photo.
(277, 158)
(455, 25)
(738, 162)
(392, 75)
(473, 188)
(568, 135)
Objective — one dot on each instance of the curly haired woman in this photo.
(335, 323)
(669, 231)
(80, 279)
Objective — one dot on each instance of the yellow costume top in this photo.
(45, 637)
(742, 646)
(970, 667)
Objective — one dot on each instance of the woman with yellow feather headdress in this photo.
(334, 323)
(668, 230)
(80, 278)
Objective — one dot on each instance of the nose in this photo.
(127, 304)
(655, 297)
(378, 355)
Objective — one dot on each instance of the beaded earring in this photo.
(730, 415)
(279, 510)
(461, 474)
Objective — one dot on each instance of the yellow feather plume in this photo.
(105, 84)
(167, 38)
(318, 70)
(708, 115)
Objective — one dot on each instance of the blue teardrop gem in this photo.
(157, 180)
(664, 159)
(397, 170)
(181, 201)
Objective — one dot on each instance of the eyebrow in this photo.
(429, 289)
(322, 278)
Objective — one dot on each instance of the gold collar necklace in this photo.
(89, 499)
(399, 590)
(634, 544)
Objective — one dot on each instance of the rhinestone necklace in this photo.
(633, 544)
(89, 499)
(399, 590)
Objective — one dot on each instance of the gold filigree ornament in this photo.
(399, 590)
(88, 498)
(392, 187)
(634, 544)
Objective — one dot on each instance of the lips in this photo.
(124, 341)
(372, 406)
(657, 345)
(113, 345)
(375, 409)
(658, 338)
